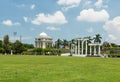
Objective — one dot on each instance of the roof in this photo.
(44, 35)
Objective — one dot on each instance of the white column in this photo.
(86, 48)
(44, 44)
(38, 44)
(70, 48)
(99, 50)
(11, 52)
(94, 49)
(82, 46)
(75, 49)
(90, 51)
(78, 47)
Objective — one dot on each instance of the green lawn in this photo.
(58, 69)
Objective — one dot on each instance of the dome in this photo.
(43, 34)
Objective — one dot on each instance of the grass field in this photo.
(58, 69)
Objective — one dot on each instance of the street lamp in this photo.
(14, 33)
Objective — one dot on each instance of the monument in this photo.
(81, 47)
(43, 41)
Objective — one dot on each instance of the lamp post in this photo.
(14, 33)
(20, 38)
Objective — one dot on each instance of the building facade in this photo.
(43, 41)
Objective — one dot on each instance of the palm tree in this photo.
(65, 43)
(71, 42)
(97, 38)
(58, 43)
(89, 39)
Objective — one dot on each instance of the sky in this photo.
(64, 19)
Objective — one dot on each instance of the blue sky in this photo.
(64, 19)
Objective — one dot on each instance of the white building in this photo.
(43, 41)
(81, 47)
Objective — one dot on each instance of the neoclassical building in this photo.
(43, 41)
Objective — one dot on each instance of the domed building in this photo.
(43, 41)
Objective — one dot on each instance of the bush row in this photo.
(40, 51)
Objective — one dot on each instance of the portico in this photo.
(81, 47)
(96, 48)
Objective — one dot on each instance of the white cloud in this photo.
(7, 22)
(32, 29)
(87, 3)
(26, 6)
(112, 27)
(32, 6)
(53, 28)
(57, 18)
(10, 23)
(68, 3)
(99, 4)
(91, 15)
(26, 19)
(112, 37)
(90, 30)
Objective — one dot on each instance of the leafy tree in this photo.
(0, 43)
(6, 44)
(97, 38)
(38, 51)
(2, 50)
(18, 47)
(28, 46)
(47, 51)
(113, 45)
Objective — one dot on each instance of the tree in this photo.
(28, 46)
(6, 44)
(38, 51)
(71, 42)
(2, 50)
(97, 38)
(89, 39)
(0, 43)
(18, 47)
(58, 43)
(65, 43)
